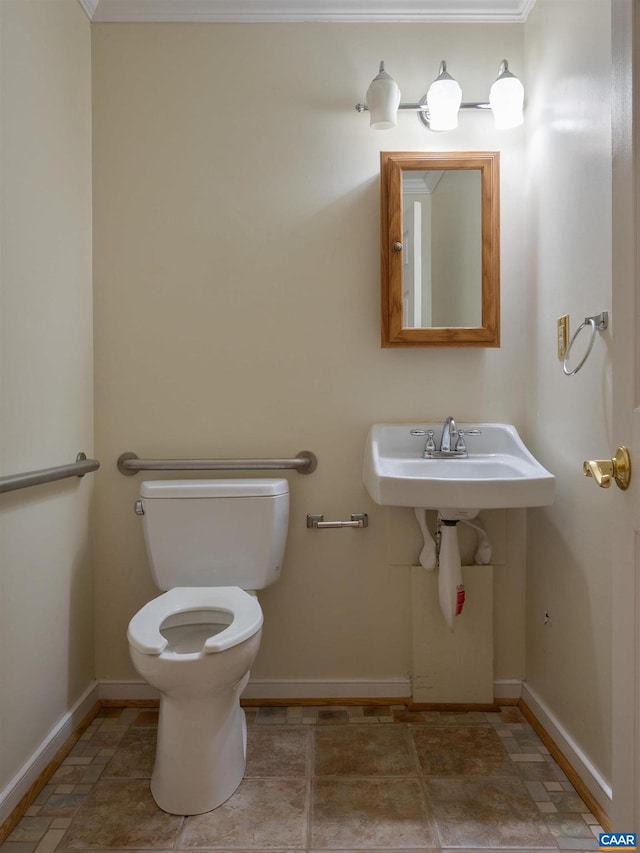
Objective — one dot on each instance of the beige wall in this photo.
(46, 370)
(569, 225)
(236, 263)
(236, 294)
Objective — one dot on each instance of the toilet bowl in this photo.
(196, 646)
(197, 641)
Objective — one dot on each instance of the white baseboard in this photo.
(507, 688)
(280, 688)
(11, 795)
(586, 770)
(327, 688)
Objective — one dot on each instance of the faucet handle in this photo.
(430, 446)
(460, 443)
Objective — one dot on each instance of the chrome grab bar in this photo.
(79, 468)
(129, 464)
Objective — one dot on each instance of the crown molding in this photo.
(277, 11)
(89, 7)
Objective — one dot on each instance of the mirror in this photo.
(440, 249)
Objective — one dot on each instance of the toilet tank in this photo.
(215, 532)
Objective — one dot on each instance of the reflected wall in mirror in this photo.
(440, 242)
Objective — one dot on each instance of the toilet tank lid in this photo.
(240, 488)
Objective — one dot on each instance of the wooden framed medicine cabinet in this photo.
(440, 249)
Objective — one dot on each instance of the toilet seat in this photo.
(144, 629)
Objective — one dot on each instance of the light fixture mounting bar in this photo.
(423, 108)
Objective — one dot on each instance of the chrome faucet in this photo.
(449, 433)
(452, 443)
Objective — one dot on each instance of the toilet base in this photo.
(198, 766)
(201, 748)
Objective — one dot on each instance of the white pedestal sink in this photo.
(498, 473)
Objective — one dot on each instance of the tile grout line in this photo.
(429, 808)
(310, 787)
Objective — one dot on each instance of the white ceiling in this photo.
(422, 11)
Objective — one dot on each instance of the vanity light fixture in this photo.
(443, 100)
(438, 109)
(506, 99)
(383, 100)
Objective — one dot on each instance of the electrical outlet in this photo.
(563, 336)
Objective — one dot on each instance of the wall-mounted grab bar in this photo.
(79, 468)
(129, 464)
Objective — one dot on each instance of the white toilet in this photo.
(210, 544)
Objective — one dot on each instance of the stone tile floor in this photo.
(365, 778)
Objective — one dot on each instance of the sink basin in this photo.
(499, 471)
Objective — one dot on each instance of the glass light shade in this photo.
(506, 99)
(383, 99)
(443, 100)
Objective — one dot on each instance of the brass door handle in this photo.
(618, 468)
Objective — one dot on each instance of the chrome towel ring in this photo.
(597, 323)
